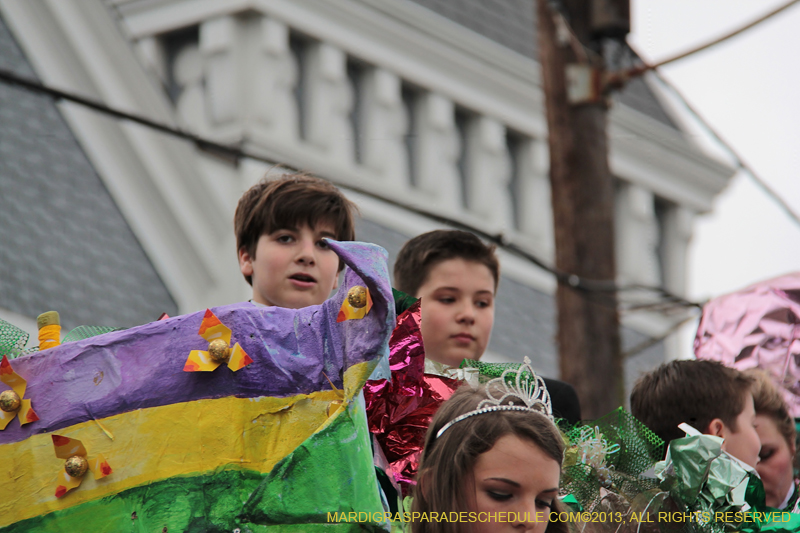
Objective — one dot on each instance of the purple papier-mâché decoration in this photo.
(757, 327)
(293, 350)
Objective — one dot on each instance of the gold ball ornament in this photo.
(219, 350)
(9, 401)
(76, 466)
(357, 296)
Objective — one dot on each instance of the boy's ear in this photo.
(336, 281)
(716, 427)
(245, 262)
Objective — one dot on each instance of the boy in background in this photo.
(456, 275)
(712, 398)
(280, 229)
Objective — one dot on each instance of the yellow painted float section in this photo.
(162, 442)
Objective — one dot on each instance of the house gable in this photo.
(65, 244)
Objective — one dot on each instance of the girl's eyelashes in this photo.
(323, 244)
(543, 503)
(284, 238)
(499, 496)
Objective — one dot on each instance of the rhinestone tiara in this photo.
(528, 387)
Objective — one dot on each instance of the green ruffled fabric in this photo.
(710, 482)
(402, 301)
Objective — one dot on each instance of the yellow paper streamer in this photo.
(49, 336)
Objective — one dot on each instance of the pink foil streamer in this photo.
(399, 412)
(757, 327)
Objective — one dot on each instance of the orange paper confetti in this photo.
(66, 448)
(19, 386)
(350, 312)
(211, 329)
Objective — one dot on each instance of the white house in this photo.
(434, 103)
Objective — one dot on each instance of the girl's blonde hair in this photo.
(769, 402)
(444, 480)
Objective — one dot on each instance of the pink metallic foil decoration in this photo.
(399, 412)
(757, 327)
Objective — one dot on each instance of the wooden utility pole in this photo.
(583, 203)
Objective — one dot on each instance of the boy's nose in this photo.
(466, 315)
(305, 254)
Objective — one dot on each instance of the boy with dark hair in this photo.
(456, 275)
(280, 229)
(423, 252)
(710, 397)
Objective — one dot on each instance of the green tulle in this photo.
(610, 456)
(86, 332)
(12, 340)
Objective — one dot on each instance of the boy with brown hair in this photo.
(710, 397)
(280, 229)
(456, 275)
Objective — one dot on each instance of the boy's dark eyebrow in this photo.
(326, 234)
(459, 290)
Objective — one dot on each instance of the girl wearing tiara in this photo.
(488, 453)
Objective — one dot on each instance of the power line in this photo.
(203, 144)
(652, 341)
(234, 153)
(618, 79)
(727, 36)
(639, 70)
(740, 163)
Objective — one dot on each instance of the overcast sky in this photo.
(747, 88)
